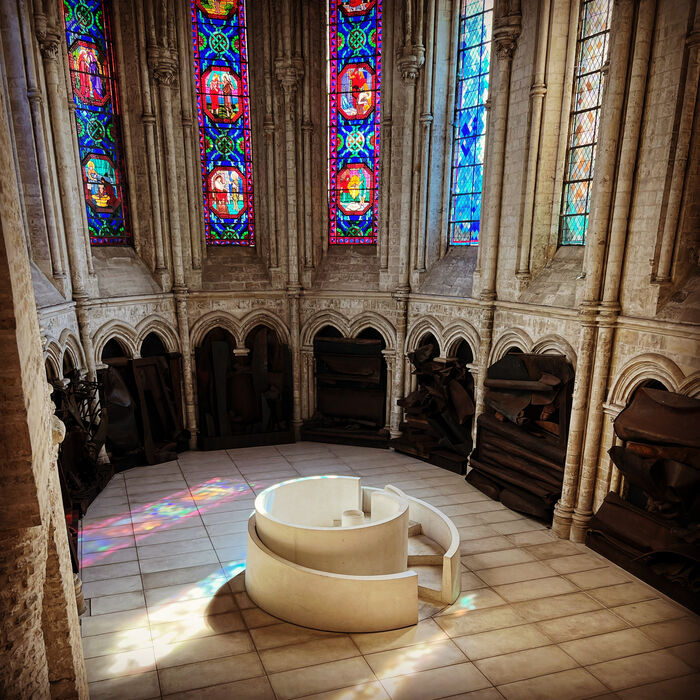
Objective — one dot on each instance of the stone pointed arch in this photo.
(458, 331)
(426, 324)
(691, 386)
(327, 317)
(554, 343)
(642, 368)
(211, 320)
(379, 323)
(53, 355)
(162, 328)
(70, 343)
(261, 317)
(122, 332)
(512, 338)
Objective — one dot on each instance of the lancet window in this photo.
(473, 60)
(221, 77)
(354, 119)
(96, 95)
(591, 55)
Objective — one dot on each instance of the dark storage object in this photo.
(658, 538)
(521, 436)
(437, 423)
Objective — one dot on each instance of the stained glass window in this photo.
(221, 77)
(354, 119)
(591, 54)
(96, 95)
(473, 60)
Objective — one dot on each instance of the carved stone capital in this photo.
(289, 71)
(163, 66)
(505, 45)
(34, 96)
(506, 30)
(49, 44)
(409, 61)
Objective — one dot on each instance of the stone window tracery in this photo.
(473, 60)
(223, 110)
(591, 55)
(354, 119)
(96, 95)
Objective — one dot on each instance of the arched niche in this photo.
(153, 345)
(68, 363)
(52, 375)
(351, 387)
(429, 339)
(113, 351)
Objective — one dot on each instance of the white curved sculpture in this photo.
(324, 552)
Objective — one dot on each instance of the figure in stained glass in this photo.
(221, 78)
(354, 120)
(93, 81)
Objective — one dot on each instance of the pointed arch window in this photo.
(473, 61)
(223, 109)
(591, 55)
(354, 119)
(96, 95)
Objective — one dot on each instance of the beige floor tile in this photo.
(285, 633)
(690, 653)
(466, 520)
(143, 686)
(556, 549)
(524, 539)
(109, 571)
(116, 556)
(519, 665)
(511, 527)
(424, 631)
(116, 603)
(575, 563)
(514, 573)
(317, 651)
(178, 561)
(471, 622)
(596, 578)
(187, 574)
(622, 593)
(682, 688)
(484, 694)
(501, 641)
(113, 622)
(189, 651)
(199, 544)
(498, 516)
(684, 629)
(476, 532)
(474, 600)
(185, 591)
(563, 629)
(557, 606)
(243, 601)
(250, 689)
(125, 663)
(255, 617)
(649, 611)
(194, 608)
(573, 684)
(606, 647)
(211, 672)
(110, 586)
(471, 581)
(504, 557)
(322, 677)
(640, 669)
(419, 657)
(196, 626)
(537, 588)
(171, 535)
(362, 691)
(436, 683)
(116, 642)
(490, 544)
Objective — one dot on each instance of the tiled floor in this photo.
(163, 550)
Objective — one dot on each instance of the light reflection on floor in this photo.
(96, 539)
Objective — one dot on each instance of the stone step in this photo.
(422, 551)
(414, 528)
(429, 582)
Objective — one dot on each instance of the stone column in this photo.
(289, 71)
(680, 156)
(401, 297)
(308, 379)
(610, 308)
(390, 399)
(505, 37)
(538, 90)
(603, 183)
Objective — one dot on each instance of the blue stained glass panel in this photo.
(591, 54)
(96, 96)
(223, 110)
(474, 53)
(354, 119)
